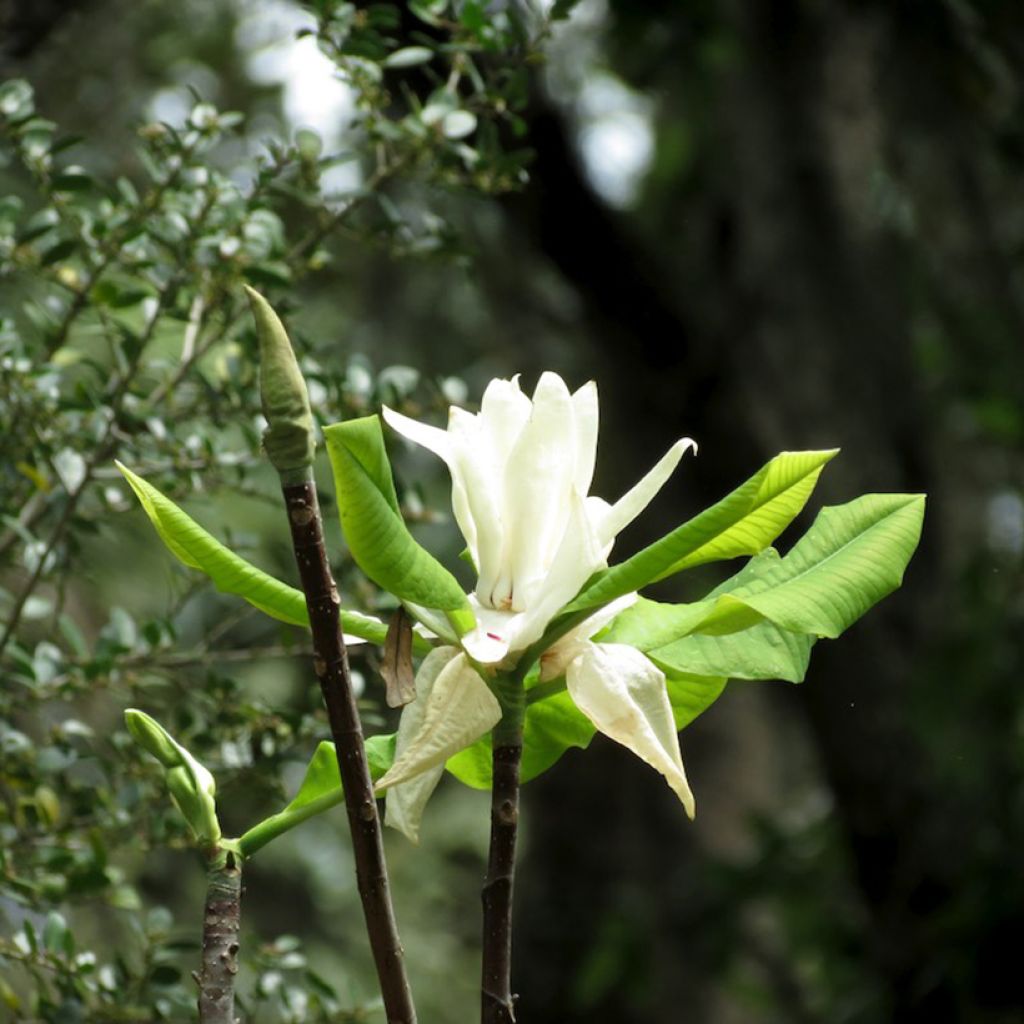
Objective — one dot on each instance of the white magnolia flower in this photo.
(521, 471)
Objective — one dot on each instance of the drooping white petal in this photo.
(555, 660)
(432, 438)
(584, 407)
(440, 443)
(624, 695)
(578, 557)
(459, 710)
(405, 802)
(538, 482)
(481, 474)
(638, 497)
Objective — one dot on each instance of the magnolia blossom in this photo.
(521, 471)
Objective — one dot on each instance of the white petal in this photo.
(405, 803)
(432, 438)
(481, 475)
(459, 710)
(584, 407)
(577, 559)
(555, 660)
(493, 636)
(624, 695)
(538, 483)
(637, 498)
(441, 444)
(504, 411)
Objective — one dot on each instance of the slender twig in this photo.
(221, 916)
(497, 1002)
(331, 664)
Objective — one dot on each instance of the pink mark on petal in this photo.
(494, 636)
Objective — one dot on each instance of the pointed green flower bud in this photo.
(289, 438)
(190, 783)
(152, 737)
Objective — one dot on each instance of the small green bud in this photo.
(152, 737)
(190, 783)
(289, 439)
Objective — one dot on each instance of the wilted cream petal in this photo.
(538, 482)
(624, 695)
(585, 414)
(459, 710)
(555, 660)
(637, 498)
(405, 802)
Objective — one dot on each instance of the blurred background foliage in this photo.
(774, 225)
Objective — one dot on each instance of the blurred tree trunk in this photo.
(816, 350)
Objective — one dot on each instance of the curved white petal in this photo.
(405, 803)
(638, 497)
(555, 660)
(585, 413)
(578, 557)
(624, 695)
(480, 473)
(434, 439)
(441, 444)
(458, 710)
(504, 411)
(538, 482)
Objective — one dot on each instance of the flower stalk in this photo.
(497, 1001)
(286, 405)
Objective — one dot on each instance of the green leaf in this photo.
(231, 573)
(742, 523)
(761, 652)
(852, 556)
(376, 534)
(665, 633)
(691, 695)
(321, 789)
(551, 727)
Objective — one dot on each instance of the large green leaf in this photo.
(852, 556)
(320, 790)
(665, 633)
(742, 523)
(377, 536)
(760, 652)
(231, 573)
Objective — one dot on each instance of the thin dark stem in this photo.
(497, 1003)
(330, 661)
(221, 916)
